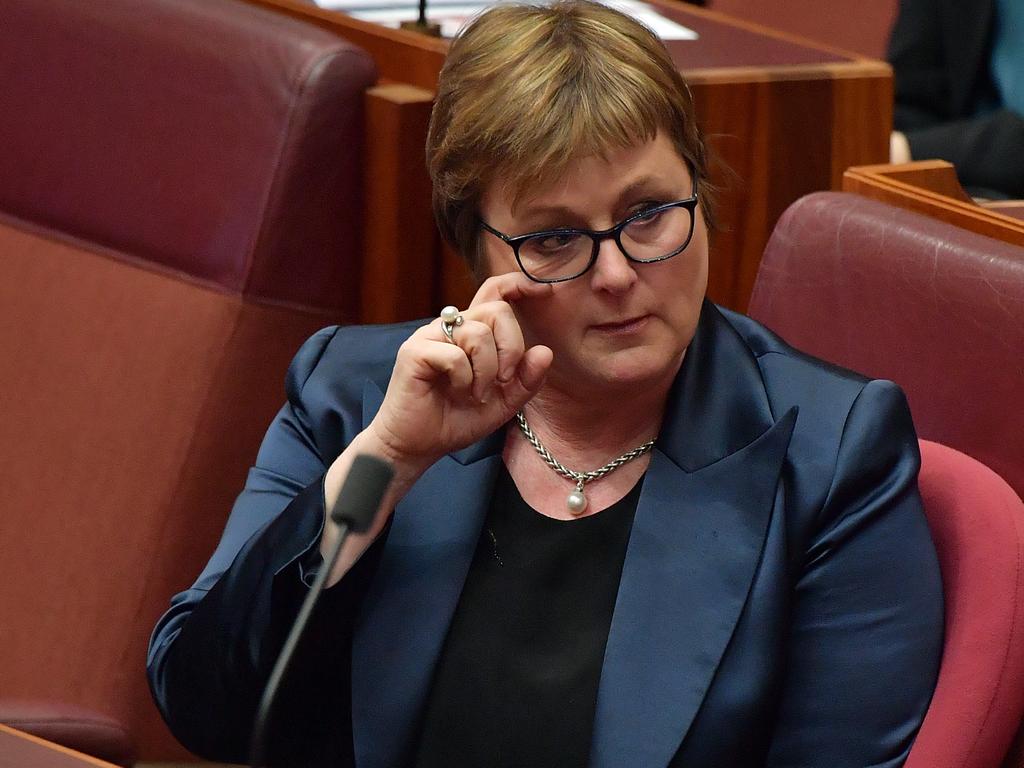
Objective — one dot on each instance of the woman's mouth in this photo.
(623, 327)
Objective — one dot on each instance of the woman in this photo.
(744, 578)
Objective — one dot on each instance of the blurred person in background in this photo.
(959, 72)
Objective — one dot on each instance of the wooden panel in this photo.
(402, 259)
(782, 138)
(862, 103)
(935, 175)
(931, 187)
(457, 285)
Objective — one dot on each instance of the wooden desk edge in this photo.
(778, 34)
(872, 181)
(55, 747)
(334, 18)
(400, 93)
(846, 70)
(427, 54)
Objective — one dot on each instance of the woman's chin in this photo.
(634, 367)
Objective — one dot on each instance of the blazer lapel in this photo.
(693, 552)
(405, 615)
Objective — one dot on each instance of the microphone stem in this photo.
(258, 743)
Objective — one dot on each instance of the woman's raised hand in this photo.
(444, 396)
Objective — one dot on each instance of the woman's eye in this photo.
(555, 243)
(648, 216)
(647, 208)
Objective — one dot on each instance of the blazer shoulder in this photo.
(848, 424)
(347, 355)
(786, 368)
(853, 435)
(328, 376)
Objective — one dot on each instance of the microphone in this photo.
(421, 25)
(361, 493)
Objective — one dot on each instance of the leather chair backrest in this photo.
(180, 207)
(207, 137)
(897, 295)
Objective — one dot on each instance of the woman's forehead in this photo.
(652, 166)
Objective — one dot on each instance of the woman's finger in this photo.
(511, 287)
(492, 339)
(432, 360)
(508, 336)
(477, 340)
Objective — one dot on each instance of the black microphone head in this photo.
(362, 491)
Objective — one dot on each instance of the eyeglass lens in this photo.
(558, 255)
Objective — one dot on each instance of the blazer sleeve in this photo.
(867, 621)
(211, 653)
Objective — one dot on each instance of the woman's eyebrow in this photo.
(540, 217)
(655, 185)
(537, 217)
(531, 211)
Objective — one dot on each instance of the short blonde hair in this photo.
(527, 89)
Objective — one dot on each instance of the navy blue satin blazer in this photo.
(780, 601)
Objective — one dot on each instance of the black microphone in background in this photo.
(421, 25)
(364, 487)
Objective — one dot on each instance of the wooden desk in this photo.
(931, 187)
(21, 750)
(788, 116)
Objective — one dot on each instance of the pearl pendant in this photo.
(576, 502)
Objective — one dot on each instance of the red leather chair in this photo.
(180, 206)
(977, 522)
(901, 296)
(940, 311)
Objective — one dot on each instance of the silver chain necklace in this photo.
(577, 501)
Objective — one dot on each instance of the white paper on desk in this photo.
(663, 27)
(452, 15)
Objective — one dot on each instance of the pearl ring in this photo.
(450, 320)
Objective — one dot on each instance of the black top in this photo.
(517, 681)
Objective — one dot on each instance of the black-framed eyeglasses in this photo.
(652, 234)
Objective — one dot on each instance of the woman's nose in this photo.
(612, 271)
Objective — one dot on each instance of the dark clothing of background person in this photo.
(779, 604)
(947, 102)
